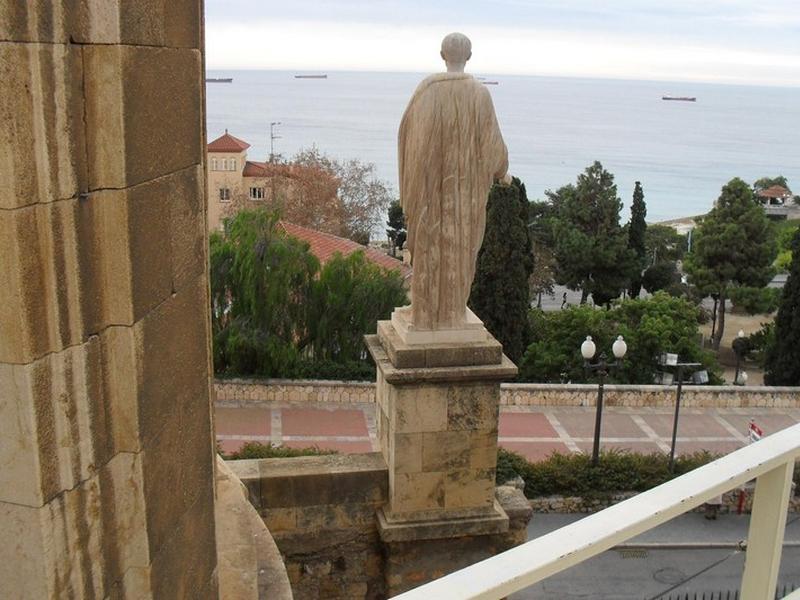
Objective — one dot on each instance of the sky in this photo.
(754, 42)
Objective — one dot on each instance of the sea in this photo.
(554, 127)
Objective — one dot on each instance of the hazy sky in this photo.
(736, 41)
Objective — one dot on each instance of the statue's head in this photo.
(456, 51)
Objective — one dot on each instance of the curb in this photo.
(741, 545)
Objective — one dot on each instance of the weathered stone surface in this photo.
(126, 125)
(411, 356)
(490, 521)
(417, 492)
(41, 307)
(41, 131)
(249, 563)
(505, 370)
(81, 540)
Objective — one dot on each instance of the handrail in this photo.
(547, 555)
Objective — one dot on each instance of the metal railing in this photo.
(770, 461)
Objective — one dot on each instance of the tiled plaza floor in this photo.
(532, 431)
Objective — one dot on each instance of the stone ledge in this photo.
(408, 531)
(480, 373)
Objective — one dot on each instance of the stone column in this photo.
(437, 412)
(106, 472)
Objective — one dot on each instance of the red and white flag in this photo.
(755, 432)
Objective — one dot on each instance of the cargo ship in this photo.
(219, 79)
(310, 76)
(680, 98)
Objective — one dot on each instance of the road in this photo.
(636, 574)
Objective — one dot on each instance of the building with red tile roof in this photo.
(227, 143)
(325, 245)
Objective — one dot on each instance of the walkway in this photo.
(534, 432)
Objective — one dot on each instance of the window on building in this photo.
(232, 164)
(224, 194)
(256, 193)
(213, 164)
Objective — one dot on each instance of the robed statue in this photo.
(450, 153)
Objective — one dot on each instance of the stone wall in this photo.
(518, 394)
(106, 460)
(321, 511)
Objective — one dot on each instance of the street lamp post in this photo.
(679, 374)
(739, 346)
(588, 349)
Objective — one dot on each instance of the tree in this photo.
(783, 354)
(660, 276)
(767, 182)
(637, 229)
(276, 313)
(541, 279)
(663, 243)
(590, 246)
(650, 326)
(397, 226)
(349, 297)
(362, 197)
(732, 246)
(500, 295)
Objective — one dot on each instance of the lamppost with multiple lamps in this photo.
(602, 367)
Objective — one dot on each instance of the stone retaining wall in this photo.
(519, 394)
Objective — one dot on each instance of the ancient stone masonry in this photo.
(106, 459)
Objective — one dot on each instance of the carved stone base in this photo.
(471, 331)
(492, 521)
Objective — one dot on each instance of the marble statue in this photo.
(450, 153)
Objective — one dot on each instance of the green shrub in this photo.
(259, 450)
(755, 301)
(574, 475)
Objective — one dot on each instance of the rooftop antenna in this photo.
(272, 138)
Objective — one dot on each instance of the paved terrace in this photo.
(534, 432)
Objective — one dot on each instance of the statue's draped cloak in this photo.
(450, 152)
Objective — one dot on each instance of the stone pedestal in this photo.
(437, 413)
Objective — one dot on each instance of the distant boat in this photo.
(680, 98)
(490, 83)
(311, 76)
(219, 79)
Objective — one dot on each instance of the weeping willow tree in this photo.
(276, 313)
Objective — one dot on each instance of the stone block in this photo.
(41, 129)
(142, 109)
(82, 540)
(472, 407)
(469, 488)
(174, 377)
(120, 358)
(417, 492)
(105, 263)
(483, 450)
(407, 452)
(445, 450)
(23, 569)
(177, 573)
(279, 520)
(418, 408)
(40, 309)
(172, 23)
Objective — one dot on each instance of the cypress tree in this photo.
(783, 355)
(636, 240)
(500, 294)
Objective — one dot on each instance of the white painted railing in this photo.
(769, 461)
